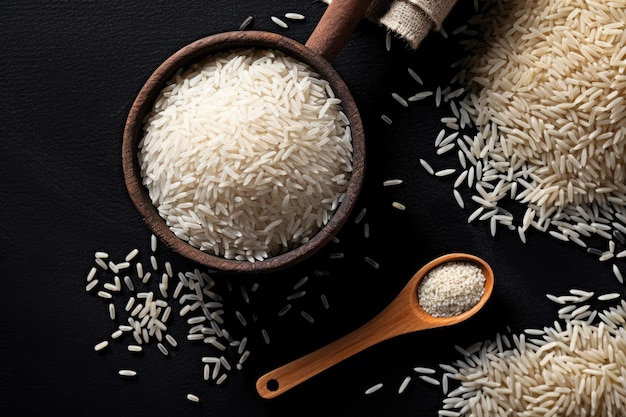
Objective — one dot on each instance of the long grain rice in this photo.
(572, 368)
(245, 154)
(543, 87)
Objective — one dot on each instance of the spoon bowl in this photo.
(325, 42)
(403, 315)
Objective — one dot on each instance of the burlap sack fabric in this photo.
(410, 19)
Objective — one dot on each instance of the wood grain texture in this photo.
(403, 315)
(335, 27)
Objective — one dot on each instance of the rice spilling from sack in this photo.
(539, 115)
(246, 154)
(549, 90)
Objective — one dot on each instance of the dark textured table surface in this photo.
(70, 71)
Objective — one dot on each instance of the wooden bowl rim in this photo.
(143, 103)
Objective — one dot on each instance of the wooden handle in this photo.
(336, 26)
(288, 376)
(393, 321)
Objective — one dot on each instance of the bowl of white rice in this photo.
(244, 151)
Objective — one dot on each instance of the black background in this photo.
(70, 71)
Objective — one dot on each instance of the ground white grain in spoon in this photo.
(239, 157)
(451, 288)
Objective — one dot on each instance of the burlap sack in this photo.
(410, 19)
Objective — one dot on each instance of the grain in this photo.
(389, 183)
(427, 166)
(445, 172)
(541, 93)
(618, 274)
(415, 76)
(127, 373)
(373, 388)
(404, 384)
(398, 205)
(397, 97)
(91, 285)
(193, 398)
(451, 288)
(420, 96)
(571, 368)
(246, 23)
(245, 154)
(104, 294)
(294, 16)
(360, 215)
(101, 345)
(92, 273)
(608, 296)
(307, 316)
(429, 379)
(279, 22)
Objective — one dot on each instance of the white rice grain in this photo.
(320, 156)
(193, 398)
(101, 345)
(374, 388)
(279, 22)
(404, 384)
(127, 373)
(294, 16)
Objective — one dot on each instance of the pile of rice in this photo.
(246, 154)
(550, 92)
(576, 367)
(539, 116)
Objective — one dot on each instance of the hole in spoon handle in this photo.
(335, 27)
(380, 328)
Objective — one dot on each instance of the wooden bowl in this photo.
(143, 104)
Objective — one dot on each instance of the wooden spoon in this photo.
(402, 315)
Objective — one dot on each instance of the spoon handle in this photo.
(387, 324)
(335, 27)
